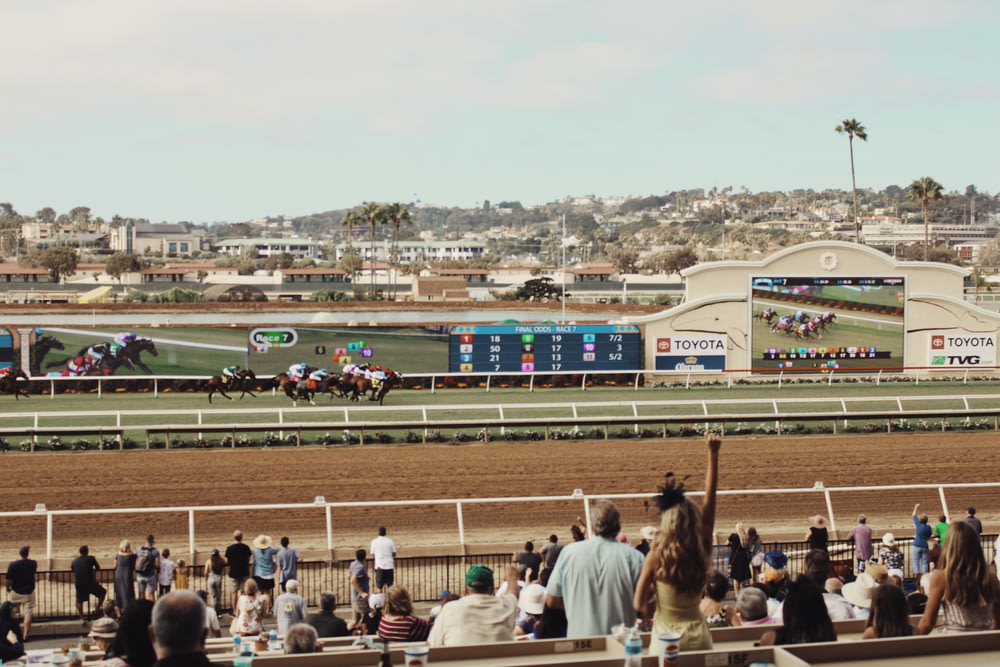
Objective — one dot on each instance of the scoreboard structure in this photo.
(544, 348)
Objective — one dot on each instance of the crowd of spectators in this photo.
(597, 584)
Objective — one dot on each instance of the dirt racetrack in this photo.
(416, 472)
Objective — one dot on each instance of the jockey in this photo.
(349, 369)
(296, 371)
(229, 373)
(4, 372)
(319, 375)
(125, 337)
(79, 366)
(97, 352)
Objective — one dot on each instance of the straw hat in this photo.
(859, 591)
(262, 542)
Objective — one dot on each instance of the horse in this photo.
(9, 383)
(244, 382)
(378, 388)
(766, 315)
(129, 356)
(43, 345)
(295, 389)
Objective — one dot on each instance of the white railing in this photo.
(322, 506)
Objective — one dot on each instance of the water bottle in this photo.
(633, 648)
(246, 647)
(272, 640)
(237, 645)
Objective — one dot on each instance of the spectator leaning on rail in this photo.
(970, 518)
(921, 534)
(861, 537)
(238, 559)
(84, 569)
(178, 630)
(594, 580)
(478, 617)
(288, 563)
(383, 550)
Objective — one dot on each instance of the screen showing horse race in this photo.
(824, 324)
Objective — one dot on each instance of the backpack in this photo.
(144, 561)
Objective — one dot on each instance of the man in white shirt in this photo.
(479, 617)
(383, 550)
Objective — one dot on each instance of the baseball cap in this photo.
(479, 576)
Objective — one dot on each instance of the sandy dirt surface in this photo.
(497, 470)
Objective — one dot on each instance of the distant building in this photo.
(160, 239)
(892, 233)
(269, 247)
(419, 251)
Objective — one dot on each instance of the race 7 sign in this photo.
(273, 337)
(963, 350)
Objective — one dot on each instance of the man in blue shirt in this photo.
(922, 533)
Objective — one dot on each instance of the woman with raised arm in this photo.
(678, 563)
(962, 595)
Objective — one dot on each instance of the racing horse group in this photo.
(800, 324)
(128, 355)
(345, 385)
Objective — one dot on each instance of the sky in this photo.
(208, 111)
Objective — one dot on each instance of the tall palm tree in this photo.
(374, 214)
(350, 220)
(924, 190)
(397, 214)
(853, 128)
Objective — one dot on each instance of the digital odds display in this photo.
(827, 323)
(543, 348)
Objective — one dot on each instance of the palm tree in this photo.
(853, 128)
(397, 214)
(924, 190)
(350, 220)
(374, 214)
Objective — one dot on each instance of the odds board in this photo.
(544, 348)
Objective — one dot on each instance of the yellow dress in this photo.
(681, 613)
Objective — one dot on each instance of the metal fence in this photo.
(424, 577)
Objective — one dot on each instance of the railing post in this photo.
(944, 502)
(461, 525)
(48, 536)
(191, 534)
(329, 530)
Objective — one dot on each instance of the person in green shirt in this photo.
(940, 528)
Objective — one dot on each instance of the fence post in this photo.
(191, 534)
(944, 502)
(329, 530)
(461, 525)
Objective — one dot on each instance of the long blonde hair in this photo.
(967, 578)
(682, 557)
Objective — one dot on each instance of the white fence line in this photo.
(695, 409)
(320, 503)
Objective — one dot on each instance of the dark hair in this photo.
(971, 511)
(890, 615)
(529, 546)
(718, 586)
(150, 539)
(327, 601)
(553, 538)
(577, 533)
(381, 530)
(818, 567)
(805, 615)
(734, 541)
(84, 550)
(132, 639)
(284, 542)
(360, 554)
(24, 551)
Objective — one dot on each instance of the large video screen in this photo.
(824, 324)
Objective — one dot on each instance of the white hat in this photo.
(889, 540)
(648, 533)
(859, 591)
(262, 542)
(532, 599)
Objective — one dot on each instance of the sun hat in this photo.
(776, 558)
(859, 591)
(532, 599)
(262, 542)
(889, 540)
(105, 628)
(376, 600)
(819, 521)
(479, 576)
(648, 532)
(877, 571)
